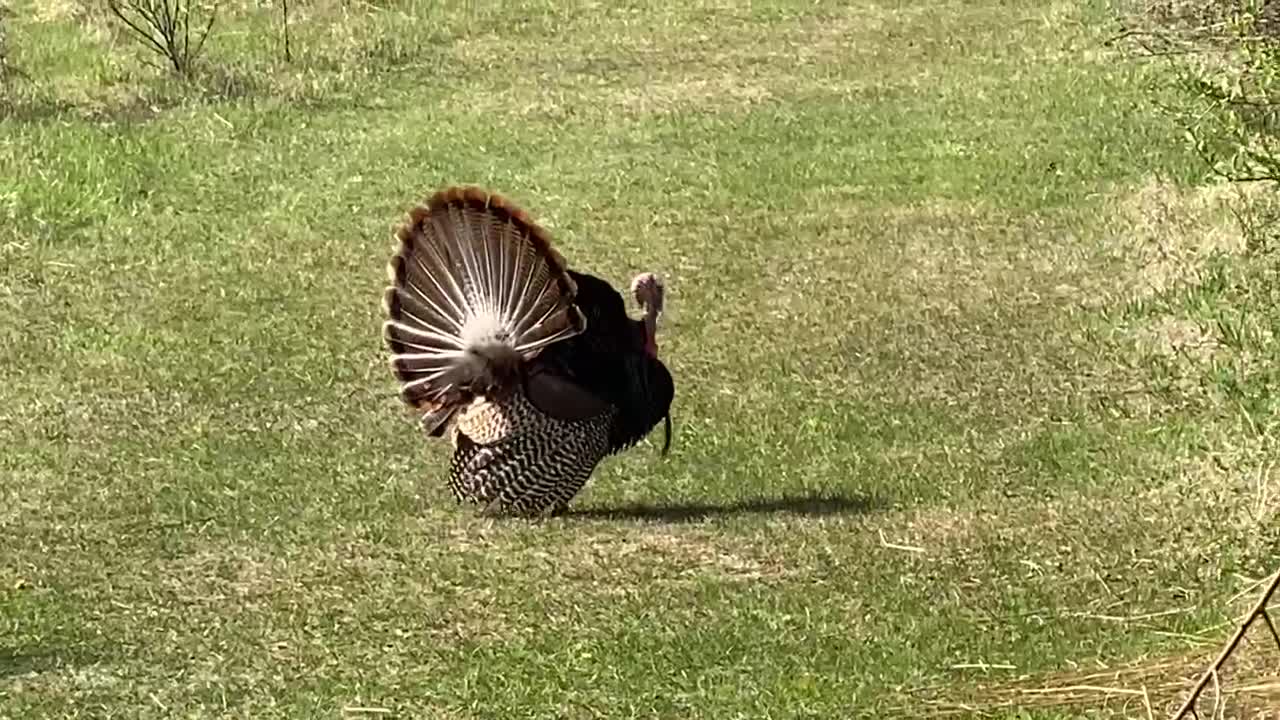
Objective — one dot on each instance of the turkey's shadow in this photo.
(806, 505)
(17, 662)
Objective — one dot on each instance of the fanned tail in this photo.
(476, 291)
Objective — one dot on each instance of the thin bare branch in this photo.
(1259, 611)
(164, 28)
(284, 8)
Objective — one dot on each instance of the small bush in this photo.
(1225, 95)
(165, 27)
(1226, 56)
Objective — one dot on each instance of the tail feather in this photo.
(476, 290)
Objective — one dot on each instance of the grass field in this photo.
(971, 395)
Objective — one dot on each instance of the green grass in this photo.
(906, 249)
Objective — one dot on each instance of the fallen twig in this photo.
(980, 665)
(896, 546)
(1259, 611)
(1133, 618)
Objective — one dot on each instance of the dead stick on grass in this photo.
(1081, 688)
(1146, 703)
(1133, 618)
(1143, 694)
(896, 546)
(1261, 688)
(1259, 610)
(1253, 585)
(1217, 695)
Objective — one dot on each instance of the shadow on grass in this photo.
(811, 505)
(16, 662)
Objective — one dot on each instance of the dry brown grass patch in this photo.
(601, 555)
(943, 527)
(1173, 336)
(1169, 252)
(1165, 235)
(743, 64)
(1239, 482)
(719, 90)
(1147, 687)
(674, 555)
(50, 11)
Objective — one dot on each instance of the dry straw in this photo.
(1144, 687)
(1259, 612)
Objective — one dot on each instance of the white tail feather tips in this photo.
(473, 274)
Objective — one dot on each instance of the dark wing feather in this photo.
(645, 400)
(607, 363)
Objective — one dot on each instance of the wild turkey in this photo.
(533, 371)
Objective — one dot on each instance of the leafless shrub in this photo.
(1226, 54)
(165, 27)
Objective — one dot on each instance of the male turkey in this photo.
(533, 371)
